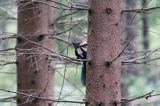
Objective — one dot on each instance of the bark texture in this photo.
(34, 74)
(103, 74)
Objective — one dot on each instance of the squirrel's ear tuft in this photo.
(76, 45)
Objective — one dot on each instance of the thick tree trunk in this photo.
(104, 69)
(34, 75)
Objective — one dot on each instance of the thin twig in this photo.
(141, 10)
(136, 98)
(43, 98)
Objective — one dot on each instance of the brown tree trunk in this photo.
(104, 69)
(34, 75)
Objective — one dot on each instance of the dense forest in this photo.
(79, 53)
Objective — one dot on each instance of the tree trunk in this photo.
(34, 75)
(104, 69)
(130, 32)
(145, 27)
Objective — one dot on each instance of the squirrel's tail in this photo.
(83, 74)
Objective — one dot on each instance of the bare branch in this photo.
(149, 94)
(141, 10)
(42, 98)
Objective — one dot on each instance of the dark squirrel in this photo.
(81, 53)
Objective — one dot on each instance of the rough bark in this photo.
(103, 74)
(34, 75)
